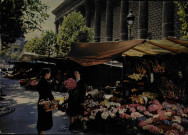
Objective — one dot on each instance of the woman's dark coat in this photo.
(45, 121)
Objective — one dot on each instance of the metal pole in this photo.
(130, 32)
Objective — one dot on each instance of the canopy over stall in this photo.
(88, 54)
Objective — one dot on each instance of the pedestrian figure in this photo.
(45, 121)
(76, 101)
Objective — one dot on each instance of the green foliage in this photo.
(35, 46)
(34, 14)
(5, 51)
(19, 17)
(72, 30)
(183, 17)
(49, 41)
(14, 56)
(46, 45)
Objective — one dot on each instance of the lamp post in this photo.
(130, 21)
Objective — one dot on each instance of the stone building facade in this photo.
(108, 18)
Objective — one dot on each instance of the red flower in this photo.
(70, 84)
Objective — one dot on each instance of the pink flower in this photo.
(141, 108)
(154, 102)
(152, 108)
(86, 113)
(155, 107)
(148, 113)
(70, 84)
(162, 115)
(172, 132)
(142, 123)
(132, 109)
(122, 115)
(168, 110)
(136, 114)
(127, 116)
(153, 129)
(133, 105)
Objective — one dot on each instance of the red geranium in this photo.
(70, 84)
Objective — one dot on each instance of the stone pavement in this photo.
(18, 110)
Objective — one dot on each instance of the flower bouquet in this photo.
(70, 84)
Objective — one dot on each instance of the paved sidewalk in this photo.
(22, 118)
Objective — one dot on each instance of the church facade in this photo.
(108, 18)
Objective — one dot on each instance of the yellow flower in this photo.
(161, 131)
(104, 102)
(133, 90)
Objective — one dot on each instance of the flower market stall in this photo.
(152, 96)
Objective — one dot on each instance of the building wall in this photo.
(116, 21)
(133, 6)
(103, 16)
(154, 21)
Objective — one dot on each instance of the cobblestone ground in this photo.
(18, 110)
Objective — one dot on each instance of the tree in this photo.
(72, 30)
(35, 46)
(46, 45)
(49, 40)
(19, 17)
(183, 17)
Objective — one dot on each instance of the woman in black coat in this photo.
(45, 121)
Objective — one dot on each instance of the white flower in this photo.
(92, 117)
(121, 111)
(118, 104)
(105, 115)
(145, 99)
(152, 78)
(114, 110)
(112, 115)
(108, 104)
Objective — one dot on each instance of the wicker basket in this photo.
(49, 105)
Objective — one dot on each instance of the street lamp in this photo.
(130, 21)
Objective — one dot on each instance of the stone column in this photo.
(60, 21)
(109, 20)
(88, 13)
(97, 21)
(167, 19)
(57, 27)
(123, 19)
(142, 19)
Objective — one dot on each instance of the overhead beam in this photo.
(141, 51)
(178, 41)
(164, 47)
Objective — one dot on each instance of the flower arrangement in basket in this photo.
(49, 105)
(70, 84)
